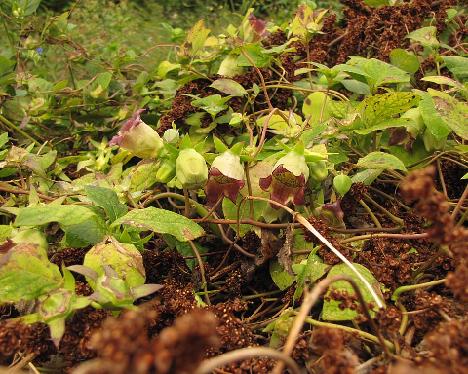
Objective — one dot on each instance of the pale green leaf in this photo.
(426, 36)
(316, 108)
(380, 160)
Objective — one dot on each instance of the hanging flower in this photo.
(288, 180)
(191, 169)
(138, 138)
(226, 178)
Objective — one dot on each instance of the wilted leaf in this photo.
(380, 111)
(26, 273)
(124, 258)
(229, 87)
(197, 36)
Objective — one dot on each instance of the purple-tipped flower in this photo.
(138, 138)
(333, 213)
(258, 25)
(226, 178)
(288, 180)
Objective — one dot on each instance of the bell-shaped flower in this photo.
(288, 179)
(191, 169)
(138, 138)
(226, 178)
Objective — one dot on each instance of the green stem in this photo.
(412, 287)
(391, 216)
(404, 318)
(371, 213)
(15, 128)
(385, 235)
(351, 330)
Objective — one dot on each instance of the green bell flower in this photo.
(226, 178)
(138, 138)
(287, 180)
(191, 169)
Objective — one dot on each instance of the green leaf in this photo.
(278, 125)
(213, 104)
(376, 73)
(162, 221)
(434, 122)
(342, 183)
(229, 87)
(5, 232)
(440, 79)
(108, 200)
(26, 273)
(458, 65)
(404, 60)
(452, 112)
(311, 271)
(230, 212)
(98, 88)
(143, 176)
(331, 308)
(185, 249)
(80, 223)
(376, 3)
(257, 56)
(380, 160)
(3, 138)
(280, 328)
(280, 276)
(355, 86)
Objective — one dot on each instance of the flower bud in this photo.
(191, 169)
(226, 177)
(138, 138)
(287, 181)
(171, 136)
